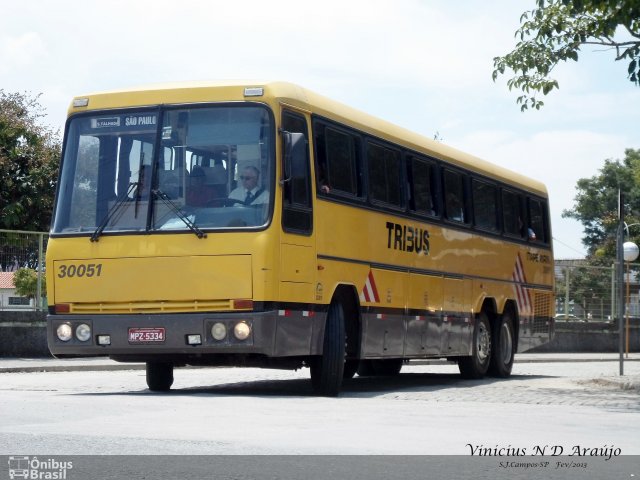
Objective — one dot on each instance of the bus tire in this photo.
(477, 365)
(503, 348)
(159, 376)
(327, 370)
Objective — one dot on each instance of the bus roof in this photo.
(294, 95)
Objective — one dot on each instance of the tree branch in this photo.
(611, 44)
(631, 32)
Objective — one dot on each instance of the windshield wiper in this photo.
(179, 213)
(95, 236)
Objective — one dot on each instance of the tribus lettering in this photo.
(407, 239)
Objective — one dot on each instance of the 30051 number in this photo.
(81, 270)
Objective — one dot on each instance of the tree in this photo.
(26, 283)
(29, 159)
(556, 30)
(596, 205)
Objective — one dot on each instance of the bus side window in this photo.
(513, 214)
(454, 196)
(485, 205)
(384, 174)
(537, 231)
(322, 178)
(422, 186)
(338, 161)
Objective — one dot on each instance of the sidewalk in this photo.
(26, 365)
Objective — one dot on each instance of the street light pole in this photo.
(631, 252)
(629, 255)
(620, 275)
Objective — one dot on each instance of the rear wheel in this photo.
(327, 370)
(159, 376)
(503, 348)
(477, 364)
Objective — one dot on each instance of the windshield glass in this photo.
(179, 169)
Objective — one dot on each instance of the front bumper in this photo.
(272, 334)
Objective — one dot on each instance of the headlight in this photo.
(83, 332)
(64, 332)
(242, 331)
(219, 331)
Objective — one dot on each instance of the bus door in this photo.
(298, 261)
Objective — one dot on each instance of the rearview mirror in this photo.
(294, 156)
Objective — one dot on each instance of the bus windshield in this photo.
(175, 169)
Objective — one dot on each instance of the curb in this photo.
(72, 368)
(90, 366)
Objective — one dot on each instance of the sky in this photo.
(425, 65)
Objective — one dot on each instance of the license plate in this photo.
(146, 335)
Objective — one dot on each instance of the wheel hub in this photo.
(483, 343)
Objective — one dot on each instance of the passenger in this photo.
(250, 192)
(197, 193)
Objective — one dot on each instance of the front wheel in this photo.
(476, 366)
(327, 370)
(159, 376)
(504, 348)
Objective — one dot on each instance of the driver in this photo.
(250, 192)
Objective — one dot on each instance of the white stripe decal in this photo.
(522, 293)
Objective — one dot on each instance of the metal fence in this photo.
(23, 249)
(583, 292)
(589, 293)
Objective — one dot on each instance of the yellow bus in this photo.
(266, 225)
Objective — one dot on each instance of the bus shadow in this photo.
(357, 387)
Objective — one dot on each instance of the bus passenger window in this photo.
(512, 214)
(485, 205)
(537, 212)
(338, 161)
(422, 186)
(384, 174)
(454, 196)
(322, 178)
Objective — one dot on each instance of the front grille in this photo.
(542, 311)
(152, 307)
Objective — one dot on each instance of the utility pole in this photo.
(620, 275)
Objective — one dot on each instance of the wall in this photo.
(24, 334)
(593, 337)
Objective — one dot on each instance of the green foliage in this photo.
(596, 205)
(29, 159)
(26, 283)
(556, 30)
